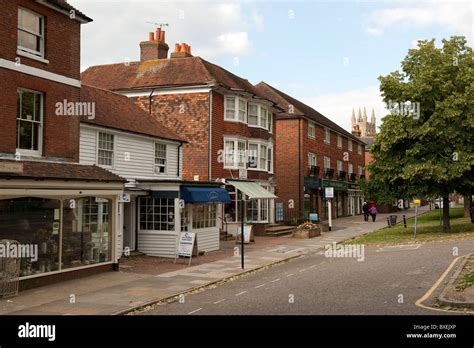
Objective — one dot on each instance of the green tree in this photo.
(428, 151)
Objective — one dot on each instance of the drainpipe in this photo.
(209, 171)
(179, 153)
(299, 168)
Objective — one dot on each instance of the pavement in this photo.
(121, 292)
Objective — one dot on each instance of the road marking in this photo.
(398, 248)
(196, 310)
(219, 301)
(419, 303)
(241, 293)
(312, 266)
(302, 270)
(259, 286)
(275, 280)
(291, 274)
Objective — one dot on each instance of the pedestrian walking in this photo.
(365, 209)
(373, 212)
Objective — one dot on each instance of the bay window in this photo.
(263, 117)
(235, 109)
(253, 156)
(234, 153)
(253, 115)
(263, 157)
(270, 160)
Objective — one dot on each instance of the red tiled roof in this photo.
(299, 109)
(116, 111)
(174, 72)
(61, 171)
(63, 5)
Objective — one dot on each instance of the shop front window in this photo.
(87, 236)
(157, 214)
(204, 216)
(34, 223)
(252, 210)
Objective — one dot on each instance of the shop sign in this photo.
(353, 186)
(7, 167)
(186, 244)
(311, 183)
(333, 183)
(329, 192)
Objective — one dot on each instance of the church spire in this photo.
(359, 117)
(353, 118)
(364, 117)
(372, 119)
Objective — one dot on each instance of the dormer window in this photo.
(30, 32)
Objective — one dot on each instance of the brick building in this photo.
(65, 212)
(228, 125)
(313, 153)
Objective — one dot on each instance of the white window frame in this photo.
(327, 136)
(270, 121)
(208, 218)
(327, 160)
(235, 155)
(267, 124)
(339, 166)
(349, 145)
(359, 148)
(40, 35)
(312, 159)
(351, 168)
(360, 170)
(311, 126)
(113, 150)
(260, 146)
(270, 159)
(339, 141)
(165, 166)
(237, 109)
(253, 115)
(25, 152)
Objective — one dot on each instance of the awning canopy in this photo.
(252, 189)
(191, 194)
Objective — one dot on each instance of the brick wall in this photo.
(287, 172)
(321, 149)
(62, 38)
(188, 116)
(60, 133)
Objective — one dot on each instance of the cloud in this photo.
(456, 15)
(374, 31)
(119, 26)
(338, 106)
(236, 43)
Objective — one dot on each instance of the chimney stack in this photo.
(181, 51)
(155, 47)
(356, 130)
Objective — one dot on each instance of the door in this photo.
(129, 225)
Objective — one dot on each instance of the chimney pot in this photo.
(177, 47)
(183, 47)
(158, 34)
(162, 36)
(152, 36)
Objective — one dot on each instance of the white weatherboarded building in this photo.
(157, 205)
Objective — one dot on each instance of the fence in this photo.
(9, 269)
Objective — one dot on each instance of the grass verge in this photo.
(428, 229)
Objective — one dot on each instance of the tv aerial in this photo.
(161, 25)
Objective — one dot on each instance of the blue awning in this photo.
(191, 194)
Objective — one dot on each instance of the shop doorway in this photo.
(129, 225)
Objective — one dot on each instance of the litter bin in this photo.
(393, 220)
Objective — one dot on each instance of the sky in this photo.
(328, 54)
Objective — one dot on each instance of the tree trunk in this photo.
(467, 205)
(446, 224)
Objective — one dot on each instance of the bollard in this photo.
(404, 221)
(388, 222)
